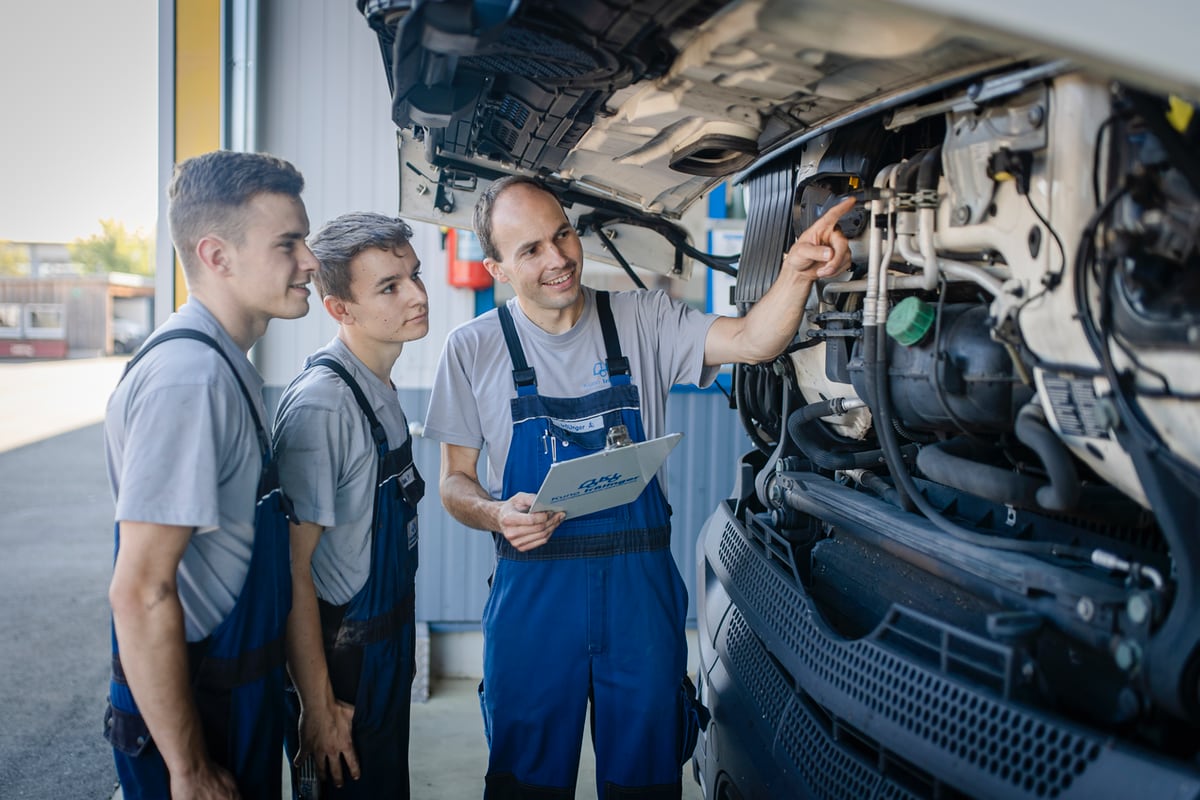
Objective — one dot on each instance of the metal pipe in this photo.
(985, 279)
(875, 261)
(861, 285)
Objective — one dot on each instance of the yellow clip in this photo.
(1180, 113)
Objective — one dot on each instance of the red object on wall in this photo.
(33, 348)
(466, 269)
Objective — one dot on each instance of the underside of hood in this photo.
(638, 107)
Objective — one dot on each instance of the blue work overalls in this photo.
(237, 671)
(370, 642)
(596, 613)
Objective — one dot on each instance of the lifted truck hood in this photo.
(636, 108)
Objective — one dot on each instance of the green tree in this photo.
(13, 258)
(115, 249)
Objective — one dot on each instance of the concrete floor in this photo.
(448, 755)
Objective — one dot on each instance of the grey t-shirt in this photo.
(328, 462)
(662, 338)
(181, 449)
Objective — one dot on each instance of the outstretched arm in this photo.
(820, 252)
(469, 503)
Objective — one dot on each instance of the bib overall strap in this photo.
(264, 443)
(377, 431)
(618, 365)
(523, 375)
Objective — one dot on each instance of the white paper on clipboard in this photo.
(605, 479)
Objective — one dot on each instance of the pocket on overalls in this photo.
(573, 444)
(694, 718)
(487, 719)
(126, 731)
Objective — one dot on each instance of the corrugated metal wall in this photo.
(323, 104)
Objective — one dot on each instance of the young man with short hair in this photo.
(345, 459)
(201, 587)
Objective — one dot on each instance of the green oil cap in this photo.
(910, 320)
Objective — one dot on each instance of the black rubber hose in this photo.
(819, 410)
(1062, 493)
(956, 463)
(871, 358)
(784, 448)
(741, 379)
(931, 164)
(825, 457)
(904, 481)
(911, 435)
(871, 481)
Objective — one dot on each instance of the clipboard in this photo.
(605, 479)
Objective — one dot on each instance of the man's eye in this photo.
(391, 287)
(416, 276)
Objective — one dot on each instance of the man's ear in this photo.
(213, 253)
(338, 309)
(493, 268)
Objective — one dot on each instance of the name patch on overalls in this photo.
(580, 425)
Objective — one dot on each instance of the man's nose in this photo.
(560, 255)
(310, 262)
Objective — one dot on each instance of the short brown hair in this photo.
(207, 193)
(486, 204)
(344, 237)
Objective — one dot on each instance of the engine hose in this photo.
(871, 357)
(741, 378)
(835, 406)
(873, 483)
(785, 447)
(927, 182)
(911, 435)
(820, 454)
(1062, 493)
(904, 481)
(955, 463)
(929, 168)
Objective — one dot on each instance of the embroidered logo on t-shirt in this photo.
(599, 376)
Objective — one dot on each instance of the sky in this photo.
(78, 117)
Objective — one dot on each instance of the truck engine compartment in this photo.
(961, 558)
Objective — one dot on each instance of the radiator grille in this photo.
(864, 680)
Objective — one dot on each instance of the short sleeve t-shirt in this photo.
(328, 463)
(181, 449)
(662, 338)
